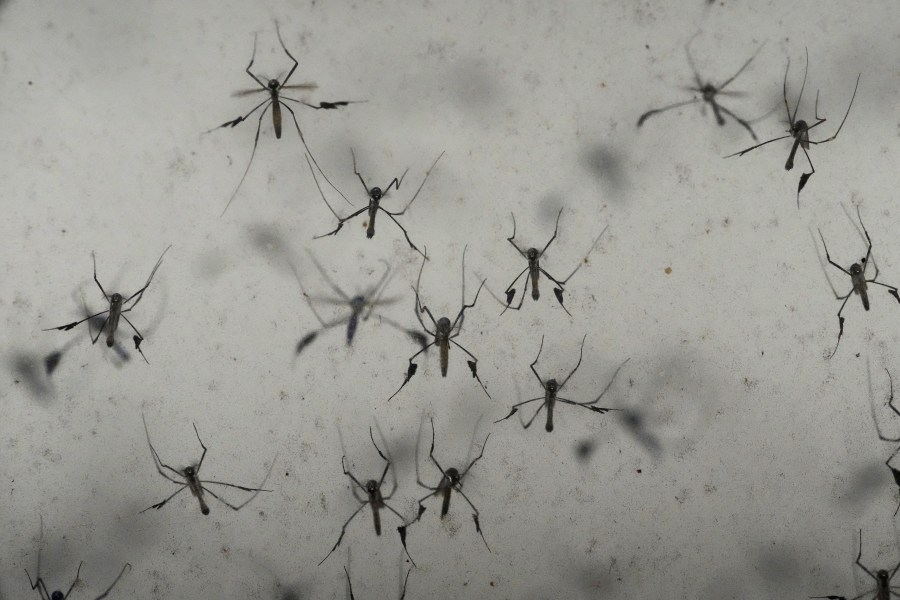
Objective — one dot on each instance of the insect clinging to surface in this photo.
(118, 306)
(276, 100)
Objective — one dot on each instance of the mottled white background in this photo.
(767, 462)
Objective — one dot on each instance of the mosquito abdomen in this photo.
(865, 298)
(370, 229)
(535, 276)
(376, 518)
(551, 401)
(351, 327)
(445, 505)
(276, 117)
(445, 356)
(790, 161)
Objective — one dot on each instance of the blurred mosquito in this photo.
(274, 89)
(708, 93)
(118, 306)
(552, 388)
(857, 274)
(376, 195)
(799, 129)
(402, 593)
(451, 480)
(883, 589)
(374, 498)
(360, 305)
(534, 270)
(445, 331)
(885, 438)
(45, 593)
(189, 478)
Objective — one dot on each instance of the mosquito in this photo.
(885, 438)
(708, 93)
(361, 306)
(883, 588)
(534, 270)
(276, 100)
(451, 480)
(375, 195)
(350, 585)
(189, 478)
(374, 498)
(445, 331)
(857, 274)
(552, 388)
(118, 306)
(45, 593)
(799, 129)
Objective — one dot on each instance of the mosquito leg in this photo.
(157, 462)
(97, 281)
(415, 335)
(743, 123)
(510, 291)
(477, 458)
(311, 155)
(841, 323)
(512, 237)
(138, 338)
(343, 530)
(73, 325)
(411, 370)
(283, 47)
(828, 257)
(578, 364)
(475, 518)
(421, 185)
(553, 237)
(113, 584)
(140, 293)
(528, 423)
(252, 153)
(402, 531)
(159, 505)
(531, 366)
(473, 366)
(606, 389)
(655, 111)
(515, 408)
(403, 229)
(804, 177)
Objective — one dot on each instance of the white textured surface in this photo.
(768, 462)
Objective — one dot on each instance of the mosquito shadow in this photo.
(608, 166)
(35, 372)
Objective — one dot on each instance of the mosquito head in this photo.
(443, 327)
(190, 472)
(453, 475)
(371, 486)
(709, 92)
(357, 303)
(856, 269)
(116, 298)
(532, 254)
(799, 127)
(883, 577)
(57, 595)
(375, 193)
(273, 84)
(552, 386)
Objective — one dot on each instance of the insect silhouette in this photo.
(451, 480)
(445, 331)
(708, 93)
(189, 478)
(799, 129)
(534, 270)
(276, 100)
(46, 594)
(857, 274)
(552, 388)
(402, 593)
(885, 438)
(883, 589)
(375, 195)
(361, 307)
(118, 306)
(374, 498)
